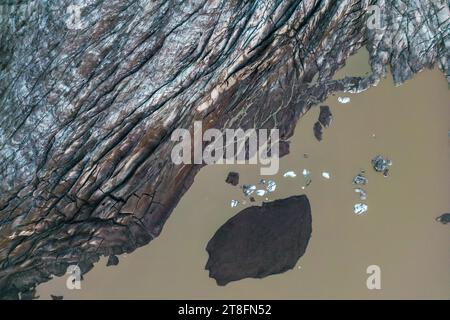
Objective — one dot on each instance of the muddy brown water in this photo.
(409, 124)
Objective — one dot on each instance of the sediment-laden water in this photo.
(408, 124)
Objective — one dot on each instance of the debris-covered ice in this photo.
(248, 189)
(444, 219)
(360, 208)
(232, 178)
(362, 193)
(360, 179)
(326, 175)
(325, 116)
(381, 164)
(318, 132)
(290, 174)
(234, 203)
(343, 100)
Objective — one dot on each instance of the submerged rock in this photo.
(260, 241)
(233, 178)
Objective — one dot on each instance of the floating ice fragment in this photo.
(360, 208)
(307, 176)
(326, 175)
(289, 174)
(343, 100)
(271, 186)
(234, 203)
(381, 164)
(362, 193)
(248, 189)
(263, 181)
(261, 193)
(360, 179)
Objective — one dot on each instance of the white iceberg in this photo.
(344, 100)
(290, 174)
(326, 175)
(261, 193)
(360, 208)
(271, 186)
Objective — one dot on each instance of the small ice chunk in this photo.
(360, 208)
(360, 179)
(343, 100)
(271, 186)
(381, 164)
(307, 176)
(362, 193)
(263, 181)
(289, 174)
(261, 193)
(248, 189)
(326, 175)
(234, 203)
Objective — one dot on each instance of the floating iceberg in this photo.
(261, 193)
(248, 189)
(343, 100)
(326, 175)
(360, 179)
(381, 164)
(362, 193)
(234, 203)
(271, 186)
(360, 208)
(307, 176)
(290, 174)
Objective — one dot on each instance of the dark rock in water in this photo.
(325, 116)
(444, 219)
(284, 148)
(252, 199)
(233, 178)
(318, 131)
(260, 241)
(56, 297)
(112, 261)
